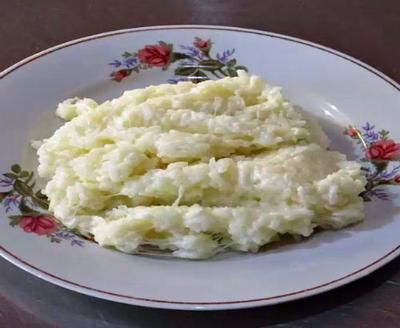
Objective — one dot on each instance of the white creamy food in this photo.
(196, 168)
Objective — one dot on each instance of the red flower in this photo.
(201, 44)
(397, 179)
(384, 150)
(155, 55)
(120, 75)
(41, 225)
(351, 132)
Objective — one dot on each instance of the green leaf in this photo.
(14, 220)
(178, 56)
(24, 174)
(26, 210)
(39, 195)
(164, 44)
(185, 71)
(231, 72)
(380, 165)
(22, 188)
(41, 203)
(32, 185)
(11, 176)
(16, 168)
(383, 134)
(201, 74)
(241, 67)
(29, 178)
(127, 54)
(13, 217)
(232, 62)
(210, 64)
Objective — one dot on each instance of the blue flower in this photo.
(369, 134)
(11, 201)
(65, 235)
(77, 242)
(116, 63)
(390, 174)
(192, 51)
(225, 56)
(5, 182)
(130, 62)
(379, 193)
(368, 127)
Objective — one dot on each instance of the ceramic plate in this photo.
(357, 106)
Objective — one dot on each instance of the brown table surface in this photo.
(366, 29)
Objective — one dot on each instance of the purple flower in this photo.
(11, 201)
(77, 242)
(390, 173)
(192, 51)
(368, 127)
(369, 134)
(116, 63)
(68, 236)
(378, 193)
(64, 235)
(130, 62)
(225, 56)
(5, 182)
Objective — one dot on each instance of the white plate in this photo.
(339, 89)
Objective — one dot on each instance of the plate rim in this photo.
(183, 305)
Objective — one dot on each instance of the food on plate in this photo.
(196, 169)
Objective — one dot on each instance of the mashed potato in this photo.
(195, 169)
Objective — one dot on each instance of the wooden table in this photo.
(366, 29)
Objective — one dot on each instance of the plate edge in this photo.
(207, 305)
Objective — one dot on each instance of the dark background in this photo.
(366, 29)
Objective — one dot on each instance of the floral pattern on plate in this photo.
(380, 155)
(28, 209)
(194, 62)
